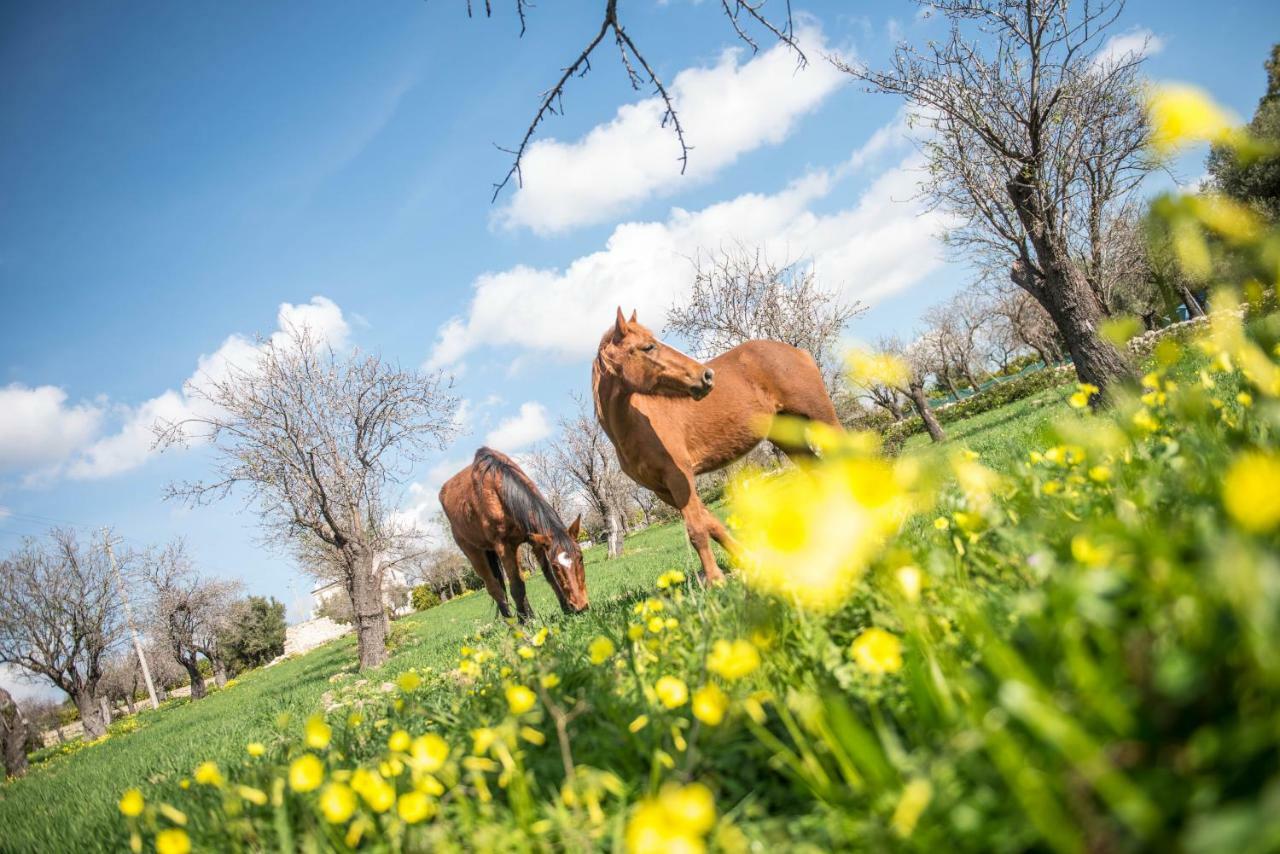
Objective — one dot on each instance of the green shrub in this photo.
(423, 597)
(256, 635)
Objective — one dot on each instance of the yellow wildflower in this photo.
(482, 739)
(870, 369)
(1250, 491)
(173, 840)
(655, 624)
(877, 651)
(376, 791)
(677, 820)
(408, 681)
(1083, 396)
(909, 579)
(1100, 474)
(639, 723)
(600, 649)
(672, 692)
(532, 735)
(549, 681)
(526, 652)
(942, 523)
(1244, 399)
(131, 803)
(306, 773)
(252, 795)
(635, 631)
(732, 660)
(255, 748)
(1182, 114)
(912, 802)
(541, 637)
(520, 699)
(414, 807)
(318, 733)
(709, 704)
(207, 774)
(399, 741)
(337, 802)
(670, 578)
(429, 752)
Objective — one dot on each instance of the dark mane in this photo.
(525, 504)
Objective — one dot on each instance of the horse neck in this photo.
(612, 398)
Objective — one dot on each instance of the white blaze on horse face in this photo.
(564, 560)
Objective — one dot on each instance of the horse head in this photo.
(631, 353)
(563, 556)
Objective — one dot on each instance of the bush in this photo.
(256, 635)
(424, 597)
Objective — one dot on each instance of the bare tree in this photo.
(554, 481)
(316, 438)
(917, 362)
(13, 736)
(584, 451)
(956, 334)
(1027, 322)
(738, 295)
(60, 617)
(1035, 137)
(189, 612)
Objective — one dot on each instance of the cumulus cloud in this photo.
(882, 244)
(728, 109)
(130, 446)
(531, 424)
(1128, 46)
(40, 429)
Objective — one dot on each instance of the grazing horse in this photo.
(493, 508)
(671, 417)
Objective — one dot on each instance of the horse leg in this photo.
(510, 558)
(480, 563)
(698, 521)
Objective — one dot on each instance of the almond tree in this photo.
(316, 439)
(13, 736)
(1035, 137)
(60, 617)
(585, 453)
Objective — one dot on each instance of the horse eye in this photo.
(649, 347)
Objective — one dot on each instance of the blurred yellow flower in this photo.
(655, 624)
(414, 807)
(1084, 394)
(541, 637)
(942, 523)
(337, 802)
(912, 802)
(207, 774)
(520, 699)
(1244, 399)
(670, 578)
(131, 803)
(709, 704)
(255, 748)
(909, 580)
(1182, 114)
(549, 681)
(639, 723)
(429, 752)
(635, 631)
(399, 741)
(526, 652)
(672, 692)
(318, 733)
(532, 735)
(173, 841)
(408, 681)
(482, 739)
(732, 660)
(1100, 474)
(306, 773)
(877, 651)
(677, 820)
(373, 787)
(252, 795)
(1251, 491)
(600, 649)
(866, 368)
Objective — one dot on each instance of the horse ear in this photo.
(633, 316)
(575, 527)
(541, 539)
(620, 326)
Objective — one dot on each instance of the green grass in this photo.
(69, 803)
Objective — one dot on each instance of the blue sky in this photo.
(172, 175)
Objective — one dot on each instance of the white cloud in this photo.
(531, 424)
(883, 244)
(5, 513)
(1128, 46)
(726, 110)
(130, 446)
(39, 428)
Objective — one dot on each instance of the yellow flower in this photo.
(306, 773)
(671, 691)
(732, 660)
(255, 748)
(482, 739)
(912, 802)
(1085, 552)
(639, 723)
(869, 369)
(550, 681)
(1250, 491)
(877, 651)
(408, 681)
(655, 624)
(670, 578)
(808, 535)
(520, 699)
(541, 637)
(635, 631)
(526, 652)
(399, 741)
(414, 807)
(1244, 399)
(429, 752)
(252, 795)
(318, 733)
(1100, 474)
(1084, 394)
(909, 579)
(337, 802)
(942, 523)
(131, 803)
(678, 820)
(207, 774)
(709, 704)
(376, 791)
(1182, 114)
(600, 649)
(173, 841)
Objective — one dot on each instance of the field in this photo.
(1054, 632)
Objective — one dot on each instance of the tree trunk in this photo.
(219, 671)
(615, 534)
(90, 716)
(969, 378)
(128, 701)
(105, 704)
(13, 736)
(366, 608)
(197, 681)
(1189, 300)
(926, 414)
(951, 386)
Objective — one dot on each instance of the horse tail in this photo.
(491, 557)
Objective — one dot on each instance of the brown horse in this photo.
(493, 508)
(671, 417)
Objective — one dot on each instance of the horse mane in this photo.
(520, 498)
